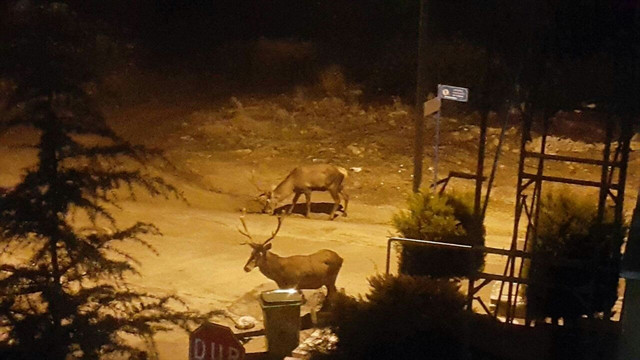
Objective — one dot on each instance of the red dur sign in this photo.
(214, 342)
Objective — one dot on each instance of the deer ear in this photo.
(267, 247)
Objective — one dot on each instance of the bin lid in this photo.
(281, 297)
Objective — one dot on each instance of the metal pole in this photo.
(420, 97)
(626, 132)
(480, 168)
(604, 184)
(436, 146)
(418, 241)
(496, 159)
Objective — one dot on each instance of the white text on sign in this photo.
(218, 351)
(455, 93)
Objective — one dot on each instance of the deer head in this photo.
(258, 249)
(266, 195)
(271, 203)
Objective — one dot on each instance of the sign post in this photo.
(446, 92)
(454, 93)
(214, 342)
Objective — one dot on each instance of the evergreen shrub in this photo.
(403, 317)
(447, 218)
(576, 260)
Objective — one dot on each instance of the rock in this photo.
(282, 115)
(243, 151)
(398, 113)
(216, 129)
(354, 149)
(236, 103)
(355, 169)
(392, 123)
(186, 138)
(318, 131)
(246, 322)
(246, 123)
(474, 130)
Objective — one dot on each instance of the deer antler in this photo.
(244, 225)
(273, 234)
(253, 181)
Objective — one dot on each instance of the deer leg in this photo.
(336, 203)
(345, 196)
(293, 205)
(307, 195)
(331, 293)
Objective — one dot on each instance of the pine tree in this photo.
(65, 293)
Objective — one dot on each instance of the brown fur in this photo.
(299, 271)
(304, 180)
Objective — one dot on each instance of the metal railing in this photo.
(416, 241)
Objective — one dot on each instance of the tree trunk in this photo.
(48, 168)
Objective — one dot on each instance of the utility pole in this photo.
(420, 98)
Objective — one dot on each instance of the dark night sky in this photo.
(374, 40)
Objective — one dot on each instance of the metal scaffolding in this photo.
(528, 194)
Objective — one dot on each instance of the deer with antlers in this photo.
(292, 272)
(304, 180)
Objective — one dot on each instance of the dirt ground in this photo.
(215, 146)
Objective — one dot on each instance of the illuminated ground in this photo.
(216, 145)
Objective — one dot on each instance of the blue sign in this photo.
(454, 93)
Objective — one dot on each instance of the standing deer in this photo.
(297, 272)
(304, 180)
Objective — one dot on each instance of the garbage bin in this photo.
(281, 313)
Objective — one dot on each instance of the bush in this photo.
(440, 218)
(568, 230)
(403, 317)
